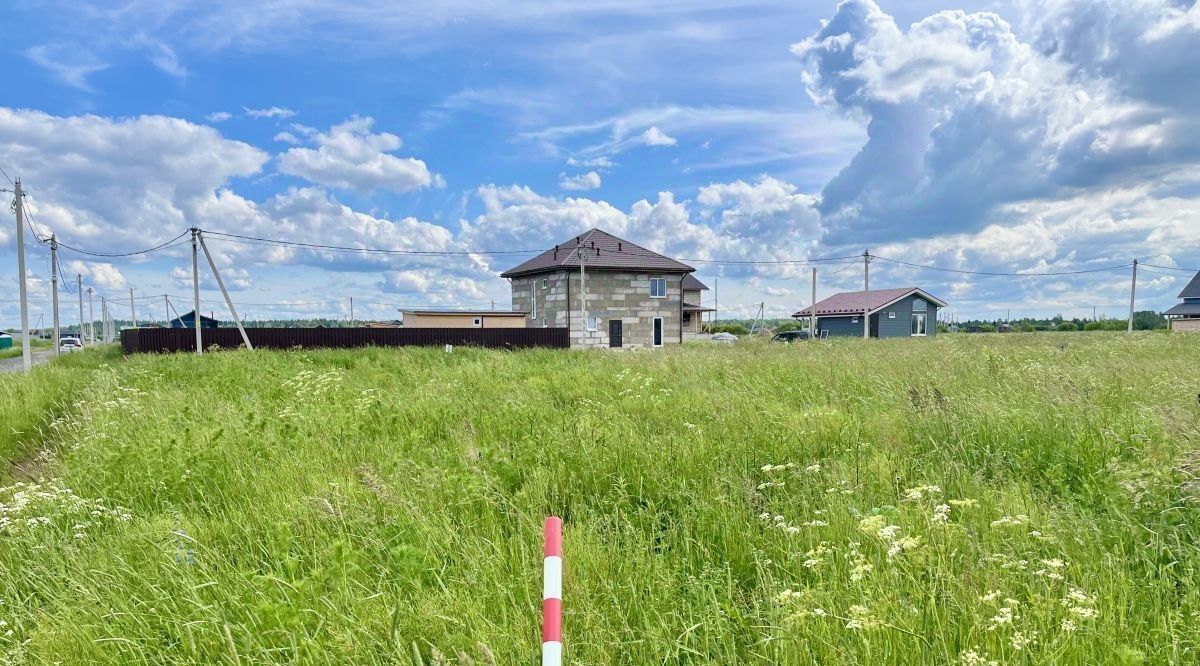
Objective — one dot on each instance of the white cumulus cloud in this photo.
(584, 181)
(351, 157)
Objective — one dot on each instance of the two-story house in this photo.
(607, 291)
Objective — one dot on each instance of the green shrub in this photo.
(1066, 326)
(736, 329)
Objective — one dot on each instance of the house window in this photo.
(545, 283)
(854, 320)
(593, 322)
(477, 322)
(918, 305)
(658, 287)
(892, 314)
(918, 323)
(545, 322)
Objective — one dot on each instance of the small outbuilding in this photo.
(1186, 315)
(894, 313)
(463, 319)
(6, 340)
(188, 320)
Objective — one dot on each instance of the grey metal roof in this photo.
(690, 283)
(1192, 289)
(602, 250)
(1184, 309)
(852, 302)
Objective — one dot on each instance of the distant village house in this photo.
(1186, 315)
(463, 319)
(894, 313)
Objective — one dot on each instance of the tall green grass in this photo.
(962, 499)
(28, 403)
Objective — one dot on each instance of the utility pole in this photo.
(196, 290)
(866, 295)
(103, 320)
(132, 311)
(581, 252)
(716, 300)
(1132, 297)
(91, 320)
(221, 284)
(54, 287)
(1093, 313)
(19, 208)
(79, 290)
(166, 312)
(352, 310)
(812, 312)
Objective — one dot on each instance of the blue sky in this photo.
(1028, 135)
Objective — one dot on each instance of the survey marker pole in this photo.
(552, 568)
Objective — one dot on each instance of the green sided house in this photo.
(894, 313)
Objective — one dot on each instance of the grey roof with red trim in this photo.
(852, 302)
(603, 251)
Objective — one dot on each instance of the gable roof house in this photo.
(607, 291)
(1186, 315)
(894, 313)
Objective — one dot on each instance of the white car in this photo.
(70, 345)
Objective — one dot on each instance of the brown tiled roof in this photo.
(851, 302)
(690, 283)
(604, 250)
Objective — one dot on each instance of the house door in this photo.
(658, 338)
(614, 333)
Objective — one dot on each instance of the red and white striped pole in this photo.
(552, 594)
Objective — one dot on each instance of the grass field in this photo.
(1015, 499)
(15, 350)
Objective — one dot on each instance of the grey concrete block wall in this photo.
(610, 295)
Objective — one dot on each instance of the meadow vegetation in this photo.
(965, 499)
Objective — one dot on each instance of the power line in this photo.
(131, 253)
(364, 250)
(998, 273)
(1172, 268)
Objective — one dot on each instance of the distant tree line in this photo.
(1143, 320)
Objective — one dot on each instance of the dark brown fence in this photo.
(136, 340)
